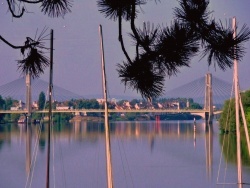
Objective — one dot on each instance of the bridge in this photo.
(85, 111)
(207, 90)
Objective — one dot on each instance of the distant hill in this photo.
(17, 90)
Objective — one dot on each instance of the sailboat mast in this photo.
(236, 89)
(50, 109)
(107, 133)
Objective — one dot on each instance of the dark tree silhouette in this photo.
(41, 100)
(160, 52)
(34, 60)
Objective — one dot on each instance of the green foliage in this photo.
(53, 105)
(2, 118)
(36, 116)
(130, 116)
(87, 104)
(58, 117)
(134, 101)
(195, 106)
(247, 113)
(227, 119)
(41, 101)
(6, 104)
(230, 148)
(14, 117)
(2, 103)
(9, 103)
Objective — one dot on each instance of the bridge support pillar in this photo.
(208, 98)
(28, 94)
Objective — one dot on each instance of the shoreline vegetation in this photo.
(227, 119)
(112, 117)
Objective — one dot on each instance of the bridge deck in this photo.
(111, 111)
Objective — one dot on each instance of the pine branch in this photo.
(121, 39)
(31, 2)
(12, 12)
(18, 47)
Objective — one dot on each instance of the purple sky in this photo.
(77, 50)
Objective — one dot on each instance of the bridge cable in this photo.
(195, 90)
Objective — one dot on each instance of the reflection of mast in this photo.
(209, 149)
(77, 127)
(137, 129)
(152, 141)
(194, 133)
(178, 129)
(28, 148)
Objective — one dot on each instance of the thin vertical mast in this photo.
(107, 133)
(245, 125)
(236, 89)
(50, 108)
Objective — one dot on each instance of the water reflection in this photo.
(209, 149)
(156, 151)
(28, 148)
(229, 148)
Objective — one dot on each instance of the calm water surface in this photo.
(172, 154)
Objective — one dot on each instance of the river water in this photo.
(175, 154)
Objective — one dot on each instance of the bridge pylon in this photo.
(208, 98)
(28, 93)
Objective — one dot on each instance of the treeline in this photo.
(228, 128)
(73, 103)
(7, 103)
(227, 120)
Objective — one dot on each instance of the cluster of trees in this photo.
(83, 104)
(228, 125)
(182, 102)
(6, 104)
(73, 103)
(227, 119)
(158, 52)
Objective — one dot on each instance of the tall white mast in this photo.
(236, 89)
(107, 134)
